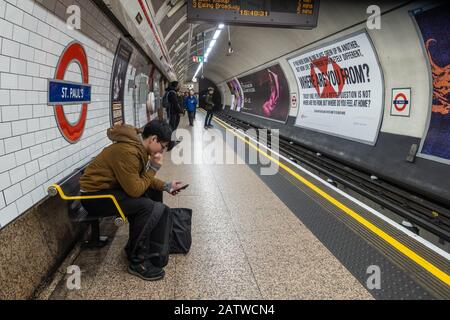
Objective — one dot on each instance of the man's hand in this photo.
(157, 159)
(174, 188)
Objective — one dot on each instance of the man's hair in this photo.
(159, 128)
(174, 84)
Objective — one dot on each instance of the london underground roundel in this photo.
(62, 93)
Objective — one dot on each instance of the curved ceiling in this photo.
(252, 46)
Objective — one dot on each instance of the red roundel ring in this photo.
(403, 107)
(73, 53)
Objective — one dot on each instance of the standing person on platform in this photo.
(174, 109)
(190, 103)
(209, 107)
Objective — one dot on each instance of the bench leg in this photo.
(95, 241)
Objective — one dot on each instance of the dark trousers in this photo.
(191, 116)
(208, 118)
(174, 121)
(146, 216)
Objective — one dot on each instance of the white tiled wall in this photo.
(33, 153)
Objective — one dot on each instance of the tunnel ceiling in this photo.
(252, 46)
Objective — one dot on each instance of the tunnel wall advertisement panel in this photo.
(341, 89)
(119, 75)
(236, 94)
(434, 27)
(266, 94)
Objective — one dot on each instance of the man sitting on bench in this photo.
(126, 169)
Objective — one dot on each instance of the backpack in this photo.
(180, 237)
(165, 100)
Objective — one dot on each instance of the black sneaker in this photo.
(210, 126)
(146, 271)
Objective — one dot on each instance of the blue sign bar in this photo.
(64, 92)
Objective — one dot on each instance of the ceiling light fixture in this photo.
(217, 34)
(175, 8)
(177, 49)
(209, 50)
(212, 43)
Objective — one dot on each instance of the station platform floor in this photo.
(249, 243)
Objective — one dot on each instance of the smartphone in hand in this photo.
(180, 189)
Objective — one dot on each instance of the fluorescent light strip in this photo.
(210, 47)
(212, 43)
(217, 34)
(198, 69)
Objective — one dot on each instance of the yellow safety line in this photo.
(441, 275)
(106, 196)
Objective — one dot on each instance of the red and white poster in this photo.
(341, 89)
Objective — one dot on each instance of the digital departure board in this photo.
(269, 13)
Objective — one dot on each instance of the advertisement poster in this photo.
(434, 27)
(266, 94)
(236, 91)
(118, 78)
(341, 89)
(151, 109)
(157, 89)
(150, 104)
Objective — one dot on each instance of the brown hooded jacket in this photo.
(121, 165)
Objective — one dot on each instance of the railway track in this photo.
(414, 208)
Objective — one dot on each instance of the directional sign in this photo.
(198, 59)
(267, 13)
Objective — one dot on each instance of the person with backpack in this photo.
(127, 169)
(172, 105)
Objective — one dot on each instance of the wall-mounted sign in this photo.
(61, 93)
(66, 92)
(198, 59)
(401, 102)
(294, 100)
(341, 89)
(118, 78)
(268, 13)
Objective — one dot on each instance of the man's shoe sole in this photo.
(137, 274)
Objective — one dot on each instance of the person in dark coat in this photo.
(175, 110)
(209, 107)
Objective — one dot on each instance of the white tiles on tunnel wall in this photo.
(33, 153)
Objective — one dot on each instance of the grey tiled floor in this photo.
(246, 245)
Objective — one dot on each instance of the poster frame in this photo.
(288, 88)
(392, 102)
(430, 84)
(122, 43)
(383, 104)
